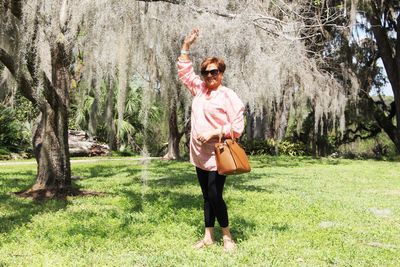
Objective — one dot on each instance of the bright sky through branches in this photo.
(359, 34)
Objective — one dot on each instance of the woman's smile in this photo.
(211, 80)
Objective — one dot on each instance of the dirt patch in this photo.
(380, 245)
(393, 192)
(59, 193)
(384, 213)
(326, 224)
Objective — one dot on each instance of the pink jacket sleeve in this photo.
(186, 74)
(234, 109)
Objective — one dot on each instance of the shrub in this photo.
(4, 154)
(379, 147)
(272, 147)
(14, 137)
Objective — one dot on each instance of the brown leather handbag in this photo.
(230, 157)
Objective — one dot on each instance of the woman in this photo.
(216, 110)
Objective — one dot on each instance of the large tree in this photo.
(50, 139)
(361, 34)
(384, 18)
(39, 44)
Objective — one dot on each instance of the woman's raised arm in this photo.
(185, 68)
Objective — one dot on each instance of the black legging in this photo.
(212, 186)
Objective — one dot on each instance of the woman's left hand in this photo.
(205, 137)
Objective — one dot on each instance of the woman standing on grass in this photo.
(216, 110)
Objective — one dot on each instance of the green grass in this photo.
(286, 212)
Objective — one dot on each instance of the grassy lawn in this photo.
(286, 212)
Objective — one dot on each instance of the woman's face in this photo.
(212, 76)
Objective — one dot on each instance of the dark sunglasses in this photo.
(214, 72)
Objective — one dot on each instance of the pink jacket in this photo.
(220, 108)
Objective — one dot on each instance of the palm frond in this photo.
(83, 110)
(124, 129)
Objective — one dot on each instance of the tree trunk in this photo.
(391, 61)
(385, 123)
(93, 117)
(51, 146)
(174, 135)
(261, 124)
(250, 130)
(109, 116)
(279, 120)
(322, 140)
(51, 137)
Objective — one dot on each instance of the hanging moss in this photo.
(262, 42)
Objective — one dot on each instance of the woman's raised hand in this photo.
(189, 40)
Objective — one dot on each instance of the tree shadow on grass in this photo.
(165, 183)
(20, 212)
(242, 229)
(135, 199)
(165, 191)
(168, 174)
(169, 200)
(184, 177)
(101, 173)
(104, 171)
(280, 227)
(293, 161)
(172, 202)
(16, 182)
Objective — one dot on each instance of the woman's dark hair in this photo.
(213, 60)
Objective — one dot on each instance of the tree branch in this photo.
(24, 84)
(7, 61)
(372, 132)
(380, 116)
(175, 2)
(385, 49)
(254, 21)
(397, 48)
(213, 11)
(392, 111)
(194, 8)
(15, 6)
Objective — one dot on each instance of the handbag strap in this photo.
(232, 136)
(222, 134)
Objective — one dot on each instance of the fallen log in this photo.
(80, 145)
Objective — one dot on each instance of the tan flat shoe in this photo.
(229, 245)
(202, 244)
